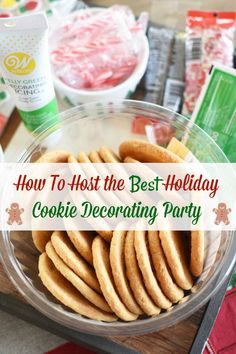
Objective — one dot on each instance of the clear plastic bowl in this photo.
(85, 128)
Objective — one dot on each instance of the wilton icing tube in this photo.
(25, 67)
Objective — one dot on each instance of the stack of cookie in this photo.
(111, 275)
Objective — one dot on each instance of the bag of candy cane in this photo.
(209, 41)
(97, 49)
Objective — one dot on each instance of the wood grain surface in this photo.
(175, 339)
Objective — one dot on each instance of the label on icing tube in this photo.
(25, 66)
(33, 119)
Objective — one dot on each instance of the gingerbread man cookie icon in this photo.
(222, 214)
(14, 214)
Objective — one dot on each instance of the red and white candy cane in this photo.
(98, 50)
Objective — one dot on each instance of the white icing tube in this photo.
(25, 67)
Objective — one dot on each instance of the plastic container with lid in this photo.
(85, 128)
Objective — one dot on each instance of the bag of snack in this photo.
(209, 40)
(174, 87)
(160, 44)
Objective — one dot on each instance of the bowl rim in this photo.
(141, 326)
(39, 132)
(135, 75)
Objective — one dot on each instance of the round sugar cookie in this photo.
(82, 241)
(129, 159)
(108, 155)
(67, 294)
(40, 239)
(83, 158)
(117, 260)
(91, 295)
(170, 289)
(173, 246)
(66, 251)
(103, 270)
(146, 152)
(144, 262)
(106, 234)
(135, 278)
(72, 159)
(54, 156)
(197, 252)
(95, 157)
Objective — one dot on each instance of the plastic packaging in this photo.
(174, 88)
(157, 131)
(160, 42)
(209, 40)
(97, 50)
(25, 67)
(215, 109)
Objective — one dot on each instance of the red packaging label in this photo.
(209, 41)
